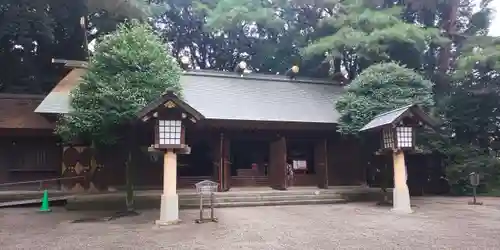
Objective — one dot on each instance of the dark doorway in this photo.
(249, 156)
(249, 162)
(198, 162)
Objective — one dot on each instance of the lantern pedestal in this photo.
(169, 209)
(401, 193)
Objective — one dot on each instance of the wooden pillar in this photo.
(217, 159)
(332, 161)
(221, 162)
(321, 163)
(401, 194)
(277, 163)
(226, 164)
(6, 159)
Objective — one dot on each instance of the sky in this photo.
(495, 24)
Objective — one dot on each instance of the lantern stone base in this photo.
(401, 200)
(169, 210)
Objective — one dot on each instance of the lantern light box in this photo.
(398, 137)
(169, 132)
(388, 138)
(404, 137)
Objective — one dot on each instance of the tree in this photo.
(473, 117)
(133, 9)
(32, 33)
(381, 88)
(217, 34)
(104, 15)
(26, 32)
(130, 68)
(367, 32)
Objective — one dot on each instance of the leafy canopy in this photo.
(381, 88)
(473, 117)
(131, 67)
(368, 33)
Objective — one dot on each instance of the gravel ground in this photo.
(438, 223)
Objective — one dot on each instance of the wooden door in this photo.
(321, 164)
(277, 164)
(226, 160)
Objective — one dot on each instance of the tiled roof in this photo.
(57, 101)
(253, 97)
(261, 98)
(396, 115)
(385, 118)
(16, 112)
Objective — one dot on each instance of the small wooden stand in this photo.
(207, 187)
(474, 179)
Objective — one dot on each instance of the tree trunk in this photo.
(129, 182)
(130, 169)
(384, 185)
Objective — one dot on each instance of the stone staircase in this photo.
(237, 197)
(265, 198)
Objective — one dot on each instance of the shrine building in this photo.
(251, 128)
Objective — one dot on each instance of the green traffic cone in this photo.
(45, 202)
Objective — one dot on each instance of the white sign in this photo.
(299, 164)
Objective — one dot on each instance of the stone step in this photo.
(271, 203)
(247, 198)
(265, 193)
(142, 202)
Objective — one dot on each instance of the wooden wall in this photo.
(346, 162)
(29, 158)
(344, 165)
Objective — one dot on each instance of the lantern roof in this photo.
(396, 115)
(169, 96)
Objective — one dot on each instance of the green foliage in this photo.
(130, 68)
(268, 35)
(476, 93)
(131, 9)
(27, 29)
(463, 160)
(237, 13)
(472, 114)
(369, 34)
(104, 15)
(381, 88)
(32, 33)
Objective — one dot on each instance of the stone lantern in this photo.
(397, 133)
(169, 115)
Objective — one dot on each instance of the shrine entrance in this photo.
(249, 162)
